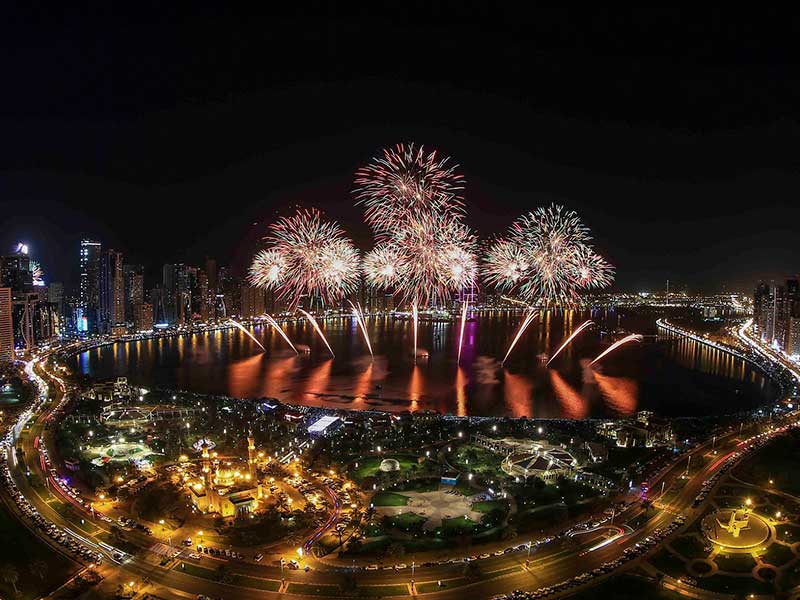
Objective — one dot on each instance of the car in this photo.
(372, 567)
(293, 564)
(194, 555)
(258, 557)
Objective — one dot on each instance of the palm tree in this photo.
(39, 568)
(10, 575)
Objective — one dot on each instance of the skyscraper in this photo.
(134, 288)
(112, 290)
(168, 285)
(6, 325)
(89, 300)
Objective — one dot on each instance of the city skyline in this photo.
(671, 146)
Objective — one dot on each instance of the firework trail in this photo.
(461, 333)
(546, 256)
(569, 339)
(272, 322)
(634, 337)
(307, 256)
(316, 326)
(415, 318)
(359, 317)
(250, 335)
(525, 322)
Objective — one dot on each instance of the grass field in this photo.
(735, 563)
(20, 548)
(389, 499)
(778, 555)
(457, 525)
(487, 506)
(689, 547)
(779, 461)
(409, 520)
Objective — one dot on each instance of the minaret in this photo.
(251, 455)
(209, 479)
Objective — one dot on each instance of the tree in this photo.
(39, 568)
(10, 575)
(395, 550)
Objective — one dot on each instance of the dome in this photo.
(389, 464)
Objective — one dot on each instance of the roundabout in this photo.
(737, 530)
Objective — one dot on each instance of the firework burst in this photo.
(307, 256)
(405, 182)
(380, 266)
(546, 256)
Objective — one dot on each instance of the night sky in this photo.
(174, 136)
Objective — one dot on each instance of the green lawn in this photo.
(487, 506)
(312, 589)
(788, 533)
(378, 591)
(433, 586)
(409, 520)
(257, 583)
(735, 563)
(666, 561)
(389, 499)
(778, 555)
(740, 586)
(20, 548)
(457, 524)
(689, 547)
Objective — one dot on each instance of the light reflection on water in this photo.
(672, 377)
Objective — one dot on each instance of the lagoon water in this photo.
(673, 377)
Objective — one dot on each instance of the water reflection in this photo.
(669, 376)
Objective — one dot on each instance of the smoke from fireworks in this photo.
(307, 256)
(546, 256)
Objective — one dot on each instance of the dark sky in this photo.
(173, 136)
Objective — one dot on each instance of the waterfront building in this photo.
(88, 310)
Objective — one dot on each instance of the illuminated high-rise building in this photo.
(88, 309)
(134, 288)
(112, 290)
(6, 326)
(143, 316)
